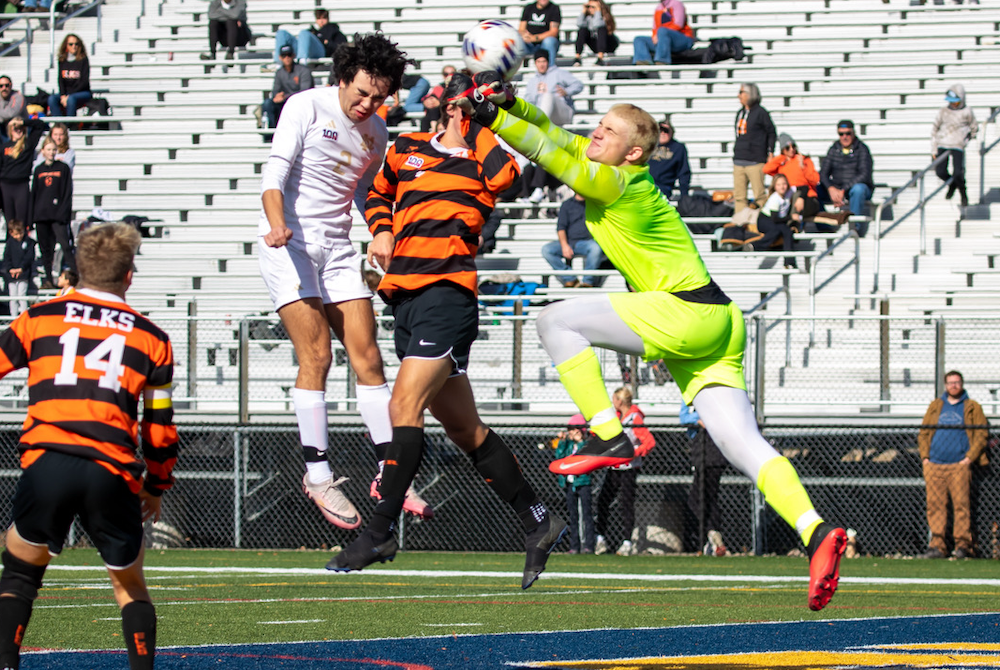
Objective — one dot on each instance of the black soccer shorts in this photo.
(439, 321)
(58, 486)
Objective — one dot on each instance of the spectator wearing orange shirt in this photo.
(671, 34)
(801, 173)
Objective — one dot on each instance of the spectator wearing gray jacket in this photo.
(551, 89)
(595, 28)
(227, 25)
(954, 126)
(11, 104)
(291, 78)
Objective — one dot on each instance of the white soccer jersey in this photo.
(320, 160)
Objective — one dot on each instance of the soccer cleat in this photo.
(412, 502)
(826, 547)
(334, 505)
(715, 545)
(596, 454)
(538, 544)
(601, 546)
(363, 552)
(627, 549)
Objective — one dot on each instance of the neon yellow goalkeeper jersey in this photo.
(638, 230)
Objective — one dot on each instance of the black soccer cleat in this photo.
(596, 454)
(363, 552)
(539, 543)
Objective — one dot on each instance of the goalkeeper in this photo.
(678, 313)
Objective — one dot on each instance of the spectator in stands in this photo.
(319, 41)
(15, 166)
(755, 136)
(36, 6)
(17, 265)
(67, 281)
(577, 487)
(52, 210)
(846, 173)
(432, 101)
(291, 78)
(619, 482)
(539, 27)
(707, 465)
(60, 135)
(74, 78)
(778, 219)
(801, 174)
(671, 34)
(551, 89)
(417, 88)
(11, 104)
(954, 126)
(227, 26)
(574, 240)
(952, 437)
(668, 164)
(595, 28)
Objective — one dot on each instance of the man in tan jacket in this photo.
(948, 452)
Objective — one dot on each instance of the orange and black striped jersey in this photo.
(89, 358)
(435, 200)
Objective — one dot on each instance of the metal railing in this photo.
(55, 20)
(918, 179)
(983, 150)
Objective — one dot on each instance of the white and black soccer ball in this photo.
(493, 45)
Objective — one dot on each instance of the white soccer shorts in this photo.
(300, 270)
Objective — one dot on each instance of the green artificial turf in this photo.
(76, 609)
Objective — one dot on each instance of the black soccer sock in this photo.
(402, 460)
(313, 455)
(497, 464)
(14, 615)
(139, 627)
(381, 450)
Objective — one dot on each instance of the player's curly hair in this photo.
(373, 53)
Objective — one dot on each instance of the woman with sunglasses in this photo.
(16, 165)
(595, 29)
(74, 78)
(801, 173)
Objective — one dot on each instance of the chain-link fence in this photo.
(886, 366)
(241, 487)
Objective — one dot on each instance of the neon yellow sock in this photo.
(783, 491)
(581, 376)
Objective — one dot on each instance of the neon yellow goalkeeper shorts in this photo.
(700, 344)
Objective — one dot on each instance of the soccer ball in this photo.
(493, 45)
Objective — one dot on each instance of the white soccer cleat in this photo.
(334, 505)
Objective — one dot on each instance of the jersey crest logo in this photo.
(367, 142)
(330, 131)
(414, 162)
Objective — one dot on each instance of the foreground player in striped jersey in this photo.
(89, 358)
(425, 211)
(327, 148)
(677, 312)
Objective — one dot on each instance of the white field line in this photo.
(324, 599)
(548, 576)
(260, 623)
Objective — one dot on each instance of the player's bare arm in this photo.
(380, 250)
(274, 209)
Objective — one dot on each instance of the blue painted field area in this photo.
(953, 641)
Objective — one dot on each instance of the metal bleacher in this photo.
(185, 149)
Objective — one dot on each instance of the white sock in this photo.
(373, 404)
(318, 471)
(310, 411)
